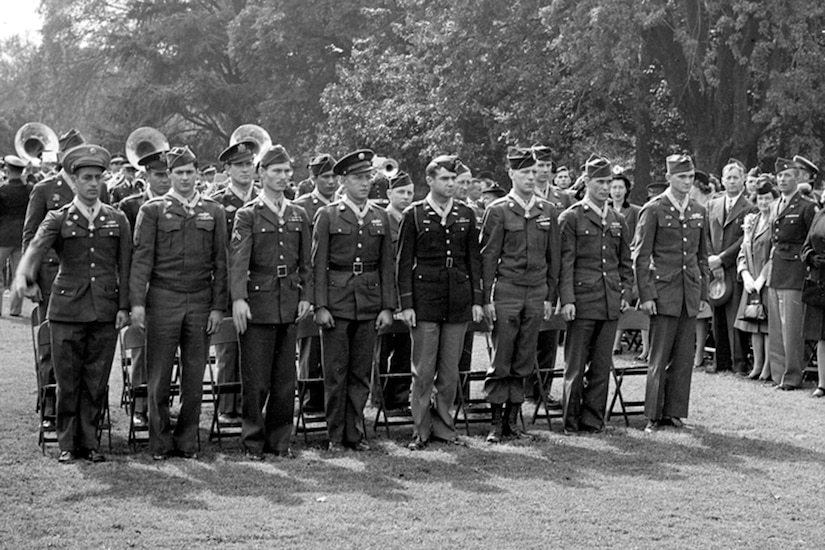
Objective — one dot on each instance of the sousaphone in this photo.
(33, 139)
(143, 141)
(255, 133)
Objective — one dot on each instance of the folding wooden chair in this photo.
(472, 409)
(546, 407)
(811, 371)
(35, 325)
(132, 339)
(42, 343)
(630, 320)
(396, 417)
(307, 422)
(225, 334)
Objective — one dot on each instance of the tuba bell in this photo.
(33, 139)
(253, 132)
(385, 166)
(143, 141)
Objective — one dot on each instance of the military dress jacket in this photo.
(438, 265)
(231, 204)
(92, 282)
(269, 262)
(131, 206)
(353, 264)
(14, 199)
(312, 204)
(670, 257)
(788, 232)
(559, 198)
(520, 250)
(596, 269)
(180, 250)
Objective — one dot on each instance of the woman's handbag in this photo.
(813, 293)
(754, 310)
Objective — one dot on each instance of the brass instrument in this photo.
(143, 141)
(385, 166)
(251, 132)
(33, 139)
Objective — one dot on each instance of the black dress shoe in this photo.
(95, 456)
(359, 446)
(335, 447)
(255, 456)
(288, 454)
(651, 426)
(785, 387)
(188, 455)
(161, 456)
(455, 440)
(417, 444)
(66, 457)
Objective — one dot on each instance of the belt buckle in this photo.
(449, 263)
(281, 271)
(357, 268)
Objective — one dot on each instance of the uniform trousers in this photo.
(347, 350)
(227, 371)
(787, 341)
(11, 253)
(268, 380)
(83, 354)
(436, 349)
(588, 353)
(519, 311)
(670, 367)
(176, 319)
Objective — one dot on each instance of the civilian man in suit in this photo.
(178, 293)
(270, 283)
(670, 262)
(239, 161)
(352, 261)
(325, 184)
(89, 302)
(595, 281)
(792, 217)
(726, 216)
(520, 270)
(439, 285)
(14, 198)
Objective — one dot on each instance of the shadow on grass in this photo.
(388, 472)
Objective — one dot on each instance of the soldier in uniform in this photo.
(89, 299)
(808, 172)
(792, 218)
(47, 195)
(671, 266)
(14, 197)
(596, 279)
(352, 261)
(157, 185)
(325, 184)
(439, 284)
(396, 347)
(239, 161)
(270, 284)
(180, 257)
(121, 183)
(520, 260)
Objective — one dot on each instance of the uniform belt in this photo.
(355, 267)
(281, 270)
(447, 263)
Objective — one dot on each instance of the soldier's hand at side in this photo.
(490, 313)
(323, 318)
(478, 314)
(548, 310)
(20, 287)
(408, 316)
(214, 321)
(240, 315)
(139, 316)
(649, 307)
(568, 312)
(384, 319)
(304, 308)
(121, 319)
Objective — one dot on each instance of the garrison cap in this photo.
(240, 152)
(543, 153)
(357, 162)
(784, 164)
(400, 179)
(597, 167)
(494, 191)
(14, 160)
(85, 155)
(70, 139)
(461, 168)
(678, 164)
(519, 158)
(180, 156)
(656, 188)
(321, 164)
(563, 168)
(154, 161)
(807, 165)
(275, 154)
(448, 162)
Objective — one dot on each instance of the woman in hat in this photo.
(753, 265)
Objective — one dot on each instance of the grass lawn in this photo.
(748, 472)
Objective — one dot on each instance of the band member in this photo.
(239, 161)
(157, 185)
(671, 266)
(596, 278)
(89, 299)
(352, 261)
(396, 346)
(325, 184)
(47, 195)
(792, 219)
(520, 260)
(180, 257)
(439, 282)
(14, 198)
(270, 283)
